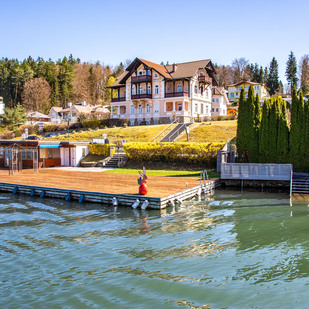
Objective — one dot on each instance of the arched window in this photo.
(133, 90)
(148, 89)
(132, 109)
(148, 108)
(140, 89)
(195, 89)
(156, 89)
(140, 109)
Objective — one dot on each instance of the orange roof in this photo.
(158, 67)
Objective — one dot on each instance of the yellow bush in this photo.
(173, 152)
(101, 149)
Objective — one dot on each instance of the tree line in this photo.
(39, 84)
(242, 70)
(271, 135)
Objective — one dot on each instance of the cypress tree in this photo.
(241, 126)
(251, 143)
(283, 134)
(273, 130)
(305, 144)
(257, 123)
(264, 133)
(296, 130)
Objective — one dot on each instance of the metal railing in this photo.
(162, 132)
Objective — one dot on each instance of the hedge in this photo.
(101, 149)
(205, 153)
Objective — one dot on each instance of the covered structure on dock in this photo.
(17, 155)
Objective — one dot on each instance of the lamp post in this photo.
(68, 129)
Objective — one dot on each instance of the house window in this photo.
(155, 75)
(148, 89)
(156, 89)
(202, 108)
(140, 73)
(179, 88)
(206, 110)
(29, 154)
(217, 100)
(179, 107)
(202, 90)
(1, 152)
(133, 90)
(132, 109)
(156, 121)
(232, 95)
(156, 108)
(195, 89)
(239, 88)
(140, 89)
(196, 108)
(217, 109)
(213, 100)
(147, 108)
(148, 73)
(236, 94)
(140, 109)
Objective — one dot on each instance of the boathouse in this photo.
(40, 154)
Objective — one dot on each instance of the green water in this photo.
(234, 250)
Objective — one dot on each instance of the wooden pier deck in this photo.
(100, 187)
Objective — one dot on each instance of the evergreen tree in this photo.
(15, 116)
(304, 77)
(246, 142)
(291, 71)
(273, 130)
(264, 143)
(305, 143)
(257, 123)
(283, 134)
(273, 77)
(296, 128)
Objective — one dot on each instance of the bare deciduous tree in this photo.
(241, 70)
(36, 95)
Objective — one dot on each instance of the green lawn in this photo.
(174, 173)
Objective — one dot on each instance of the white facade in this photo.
(71, 156)
(2, 106)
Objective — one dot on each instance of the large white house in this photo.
(150, 93)
(220, 101)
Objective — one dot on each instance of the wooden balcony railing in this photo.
(141, 96)
(120, 99)
(205, 79)
(141, 78)
(177, 94)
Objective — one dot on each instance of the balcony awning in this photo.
(50, 146)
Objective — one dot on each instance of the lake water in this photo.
(233, 250)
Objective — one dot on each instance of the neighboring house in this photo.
(234, 90)
(59, 114)
(220, 101)
(150, 93)
(36, 117)
(54, 114)
(2, 106)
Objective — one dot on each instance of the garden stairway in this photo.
(175, 132)
(300, 184)
(118, 159)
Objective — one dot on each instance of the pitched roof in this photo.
(172, 71)
(37, 115)
(186, 69)
(245, 82)
(57, 108)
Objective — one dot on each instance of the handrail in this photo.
(291, 183)
(175, 120)
(177, 133)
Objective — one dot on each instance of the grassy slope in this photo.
(211, 132)
(131, 134)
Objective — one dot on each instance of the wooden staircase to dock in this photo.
(300, 183)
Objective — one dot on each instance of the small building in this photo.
(55, 115)
(36, 117)
(220, 101)
(44, 154)
(234, 90)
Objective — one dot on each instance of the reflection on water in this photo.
(231, 250)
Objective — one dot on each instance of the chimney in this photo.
(70, 104)
(84, 103)
(174, 67)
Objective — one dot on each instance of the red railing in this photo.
(177, 94)
(120, 99)
(141, 96)
(141, 78)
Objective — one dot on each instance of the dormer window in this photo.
(140, 73)
(148, 72)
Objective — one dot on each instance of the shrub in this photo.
(17, 132)
(205, 153)
(101, 149)
(6, 134)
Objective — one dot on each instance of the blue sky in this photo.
(174, 31)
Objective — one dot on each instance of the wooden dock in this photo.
(103, 187)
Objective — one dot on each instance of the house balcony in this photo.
(141, 78)
(141, 96)
(120, 99)
(204, 79)
(177, 94)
